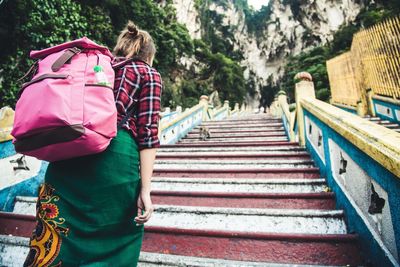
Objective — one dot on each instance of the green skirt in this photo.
(86, 209)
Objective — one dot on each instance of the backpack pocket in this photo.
(41, 78)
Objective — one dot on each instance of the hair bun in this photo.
(132, 29)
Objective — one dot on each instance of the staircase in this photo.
(245, 197)
(388, 124)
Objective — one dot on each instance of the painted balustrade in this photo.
(170, 131)
(361, 162)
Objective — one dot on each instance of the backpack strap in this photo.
(130, 112)
(126, 118)
(64, 58)
(122, 63)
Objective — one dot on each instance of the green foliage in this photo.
(313, 62)
(32, 30)
(50, 22)
(221, 71)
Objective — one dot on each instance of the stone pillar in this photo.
(371, 107)
(236, 106)
(204, 101)
(304, 89)
(6, 123)
(178, 109)
(226, 103)
(282, 98)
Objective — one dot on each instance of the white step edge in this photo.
(233, 161)
(14, 250)
(147, 259)
(229, 140)
(258, 148)
(223, 154)
(239, 186)
(261, 167)
(249, 220)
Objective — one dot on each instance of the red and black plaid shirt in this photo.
(138, 84)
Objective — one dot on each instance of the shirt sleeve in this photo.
(149, 110)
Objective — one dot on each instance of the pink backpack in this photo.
(67, 110)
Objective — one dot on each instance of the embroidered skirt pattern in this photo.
(85, 210)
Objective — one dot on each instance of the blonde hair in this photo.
(133, 42)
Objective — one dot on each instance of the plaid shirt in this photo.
(140, 85)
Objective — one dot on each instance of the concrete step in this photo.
(25, 205)
(246, 220)
(196, 135)
(249, 220)
(238, 186)
(239, 122)
(253, 144)
(231, 163)
(290, 249)
(321, 201)
(253, 199)
(264, 173)
(244, 130)
(214, 140)
(238, 126)
(14, 250)
(148, 259)
(289, 148)
(232, 155)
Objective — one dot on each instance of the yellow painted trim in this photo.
(344, 106)
(182, 116)
(380, 143)
(6, 123)
(386, 99)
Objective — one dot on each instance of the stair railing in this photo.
(361, 162)
(170, 131)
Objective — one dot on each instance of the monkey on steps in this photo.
(205, 133)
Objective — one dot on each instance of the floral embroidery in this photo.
(51, 210)
(46, 240)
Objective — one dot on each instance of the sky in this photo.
(257, 3)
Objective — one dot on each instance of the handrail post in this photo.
(226, 105)
(371, 108)
(204, 101)
(282, 100)
(6, 123)
(304, 89)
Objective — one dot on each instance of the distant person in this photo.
(95, 206)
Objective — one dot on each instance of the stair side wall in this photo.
(381, 252)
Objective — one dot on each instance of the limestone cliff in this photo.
(289, 27)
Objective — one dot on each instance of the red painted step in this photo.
(238, 136)
(243, 131)
(242, 121)
(240, 173)
(16, 224)
(323, 201)
(257, 247)
(277, 156)
(250, 126)
(236, 144)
